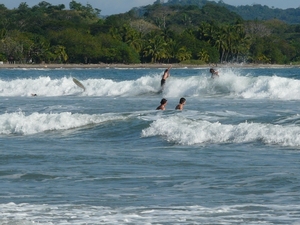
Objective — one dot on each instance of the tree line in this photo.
(158, 33)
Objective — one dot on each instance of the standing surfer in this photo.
(164, 77)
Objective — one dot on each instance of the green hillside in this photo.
(175, 31)
(248, 12)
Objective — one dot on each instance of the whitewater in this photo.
(104, 155)
(231, 85)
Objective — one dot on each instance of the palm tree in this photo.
(241, 43)
(177, 52)
(229, 35)
(219, 41)
(183, 54)
(128, 35)
(135, 39)
(59, 53)
(172, 49)
(203, 56)
(155, 48)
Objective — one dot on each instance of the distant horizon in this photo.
(120, 6)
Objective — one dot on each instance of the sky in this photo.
(109, 7)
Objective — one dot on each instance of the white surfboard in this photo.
(78, 83)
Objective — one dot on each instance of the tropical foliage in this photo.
(172, 32)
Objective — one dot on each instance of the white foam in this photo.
(272, 87)
(42, 86)
(105, 87)
(19, 123)
(190, 132)
(230, 83)
(252, 214)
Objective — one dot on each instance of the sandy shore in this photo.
(148, 65)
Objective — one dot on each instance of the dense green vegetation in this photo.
(172, 32)
(249, 12)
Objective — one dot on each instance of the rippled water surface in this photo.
(106, 156)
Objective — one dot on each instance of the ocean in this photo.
(106, 156)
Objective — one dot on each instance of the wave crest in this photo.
(229, 84)
(19, 123)
(190, 132)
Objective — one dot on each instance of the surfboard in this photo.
(78, 83)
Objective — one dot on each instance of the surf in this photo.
(19, 123)
(230, 84)
(183, 131)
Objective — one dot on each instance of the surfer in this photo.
(34, 95)
(163, 104)
(214, 73)
(165, 76)
(181, 104)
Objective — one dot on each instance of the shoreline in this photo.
(141, 65)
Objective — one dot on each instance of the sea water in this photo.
(106, 156)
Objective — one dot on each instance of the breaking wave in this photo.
(229, 84)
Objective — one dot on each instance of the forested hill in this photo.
(248, 12)
(259, 12)
(185, 31)
(180, 17)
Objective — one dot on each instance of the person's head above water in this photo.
(182, 100)
(162, 105)
(163, 101)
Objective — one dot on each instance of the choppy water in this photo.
(106, 156)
